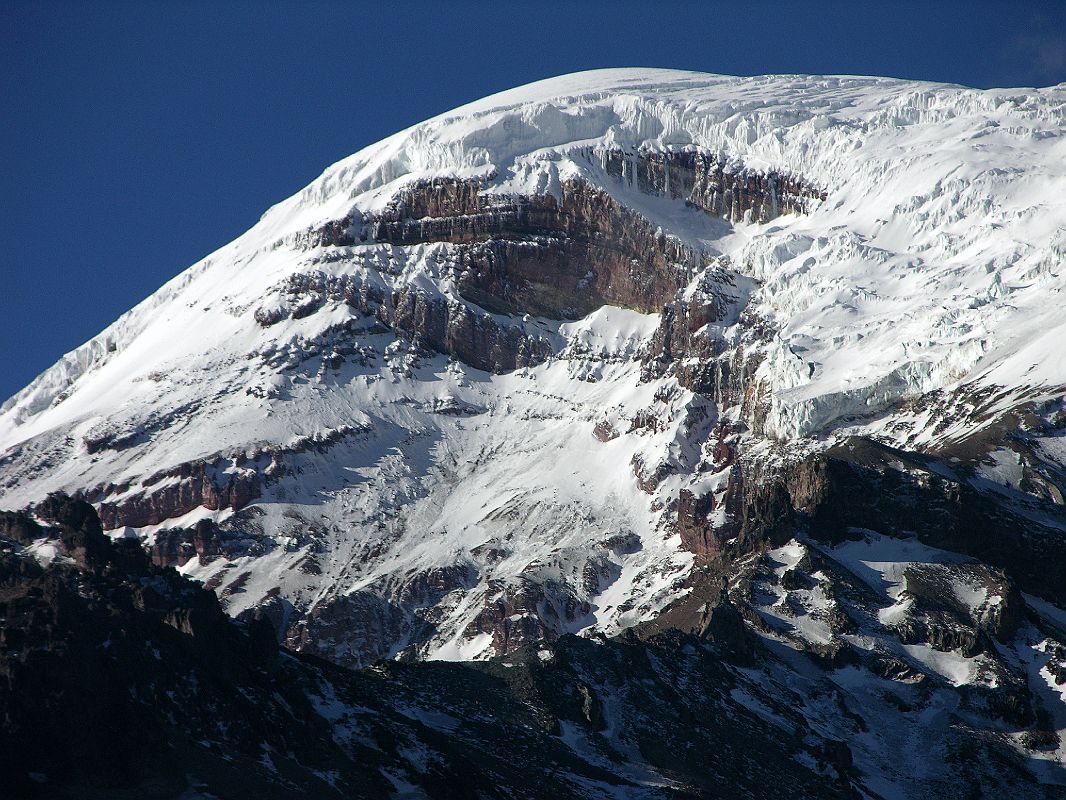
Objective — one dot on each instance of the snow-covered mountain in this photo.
(604, 352)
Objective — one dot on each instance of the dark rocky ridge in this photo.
(122, 679)
(861, 483)
(126, 680)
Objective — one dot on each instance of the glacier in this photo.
(927, 261)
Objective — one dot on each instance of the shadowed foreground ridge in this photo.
(125, 679)
(122, 679)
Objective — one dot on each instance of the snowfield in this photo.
(937, 258)
(936, 263)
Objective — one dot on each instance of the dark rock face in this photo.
(81, 536)
(475, 339)
(353, 630)
(562, 258)
(67, 711)
(941, 620)
(860, 484)
(360, 628)
(710, 183)
(536, 254)
(18, 527)
(856, 485)
(758, 510)
(697, 532)
(526, 613)
(724, 626)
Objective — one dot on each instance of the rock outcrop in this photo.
(562, 257)
(861, 484)
(184, 488)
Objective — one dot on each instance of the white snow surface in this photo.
(938, 256)
(936, 261)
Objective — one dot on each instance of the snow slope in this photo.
(935, 263)
(937, 257)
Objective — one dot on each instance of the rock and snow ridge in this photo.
(494, 378)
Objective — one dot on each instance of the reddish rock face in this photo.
(604, 431)
(724, 453)
(693, 523)
(231, 483)
(194, 488)
(754, 508)
(537, 255)
(596, 252)
(563, 258)
(178, 546)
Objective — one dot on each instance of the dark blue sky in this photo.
(136, 138)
